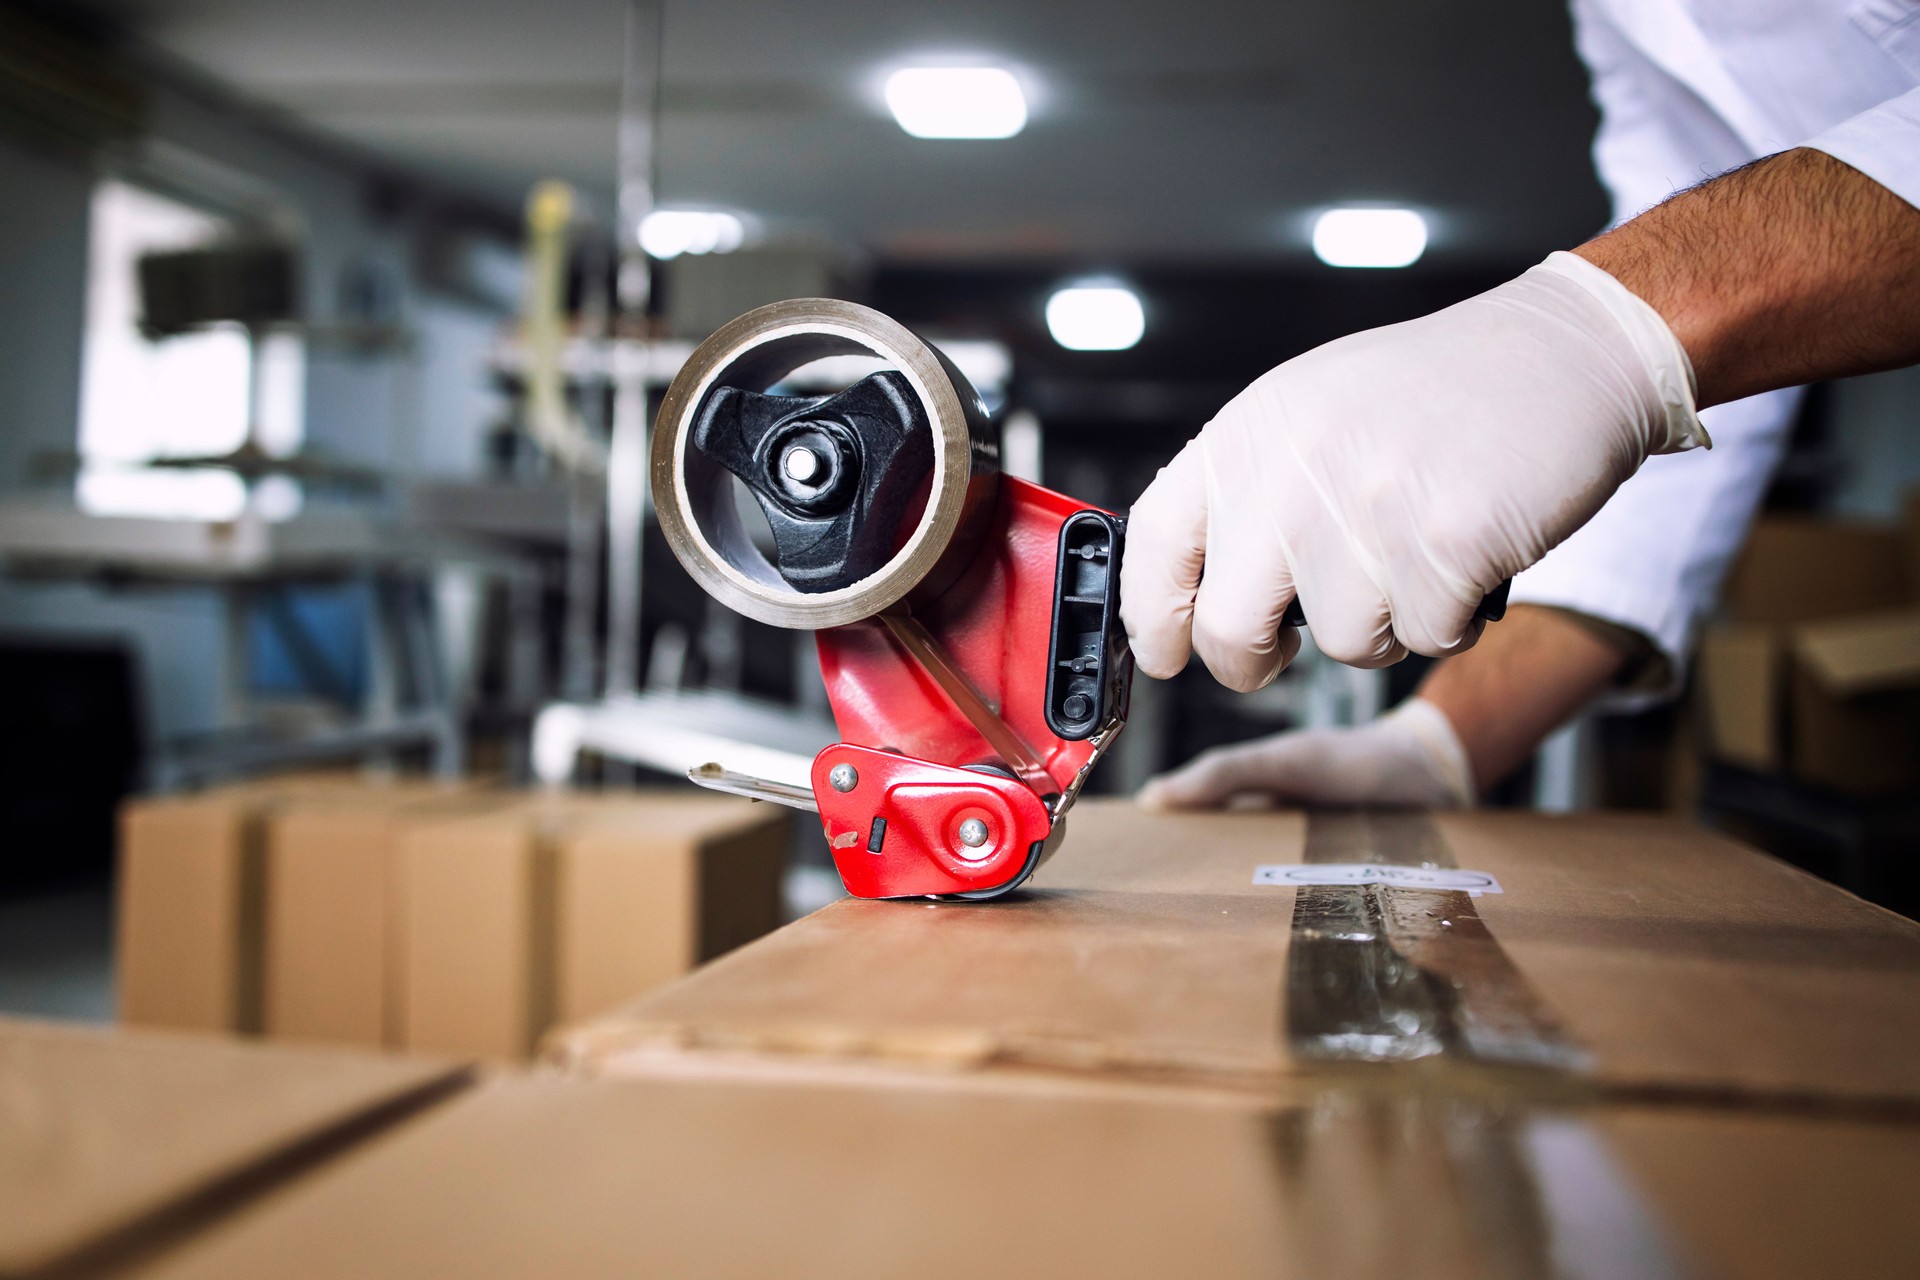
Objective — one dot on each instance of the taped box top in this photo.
(1626, 954)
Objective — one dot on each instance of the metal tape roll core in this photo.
(694, 497)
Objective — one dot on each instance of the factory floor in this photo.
(56, 952)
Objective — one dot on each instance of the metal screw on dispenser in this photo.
(973, 833)
(843, 777)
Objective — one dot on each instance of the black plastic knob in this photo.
(835, 475)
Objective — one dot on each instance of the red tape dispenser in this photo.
(968, 623)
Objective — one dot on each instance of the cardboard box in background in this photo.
(192, 898)
(561, 907)
(1741, 685)
(1816, 674)
(477, 955)
(188, 916)
(104, 1133)
(445, 918)
(332, 941)
(644, 894)
(1855, 715)
(1801, 569)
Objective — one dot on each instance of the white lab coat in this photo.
(1688, 89)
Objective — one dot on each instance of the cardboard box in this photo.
(1742, 682)
(563, 906)
(1856, 702)
(1835, 703)
(1775, 1197)
(557, 1178)
(536, 1178)
(645, 891)
(190, 906)
(1801, 569)
(193, 897)
(1820, 675)
(333, 943)
(110, 1140)
(1640, 953)
(478, 951)
(1103, 1075)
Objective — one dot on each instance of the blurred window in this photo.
(183, 396)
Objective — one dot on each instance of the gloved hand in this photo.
(1396, 476)
(1408, 758)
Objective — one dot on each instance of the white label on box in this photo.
(1452, 878)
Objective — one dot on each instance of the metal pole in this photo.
(627, 451)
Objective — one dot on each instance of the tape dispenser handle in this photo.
(1493, 607)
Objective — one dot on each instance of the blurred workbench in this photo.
(412, 701)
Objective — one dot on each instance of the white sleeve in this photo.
(1882, 142)
(1653, 558)
(1656, 137)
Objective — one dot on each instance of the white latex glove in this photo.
(1396, 476)
(1408, 758)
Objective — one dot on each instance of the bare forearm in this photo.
(1526, 677)
(1793, 269)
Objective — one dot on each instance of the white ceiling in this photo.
(1196, 130)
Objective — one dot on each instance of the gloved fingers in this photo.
(1212, 778)
(1433, 600)
(1246, 585)
(1349, 614)
(1462, 634)
(1160, 569)
(1236, 623)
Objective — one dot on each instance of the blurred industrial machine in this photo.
(302, 521)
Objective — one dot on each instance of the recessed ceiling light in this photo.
(1369, 237)
(1095, 317)
(668, 233)
(957, 102)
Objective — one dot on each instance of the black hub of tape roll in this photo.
(834, 475)
(875, 495)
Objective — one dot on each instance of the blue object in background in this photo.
(312, 641)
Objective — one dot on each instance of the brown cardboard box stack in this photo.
(427, 917)
(1816, 674)
(1652, 1053)
(193, 895)
(560, 909)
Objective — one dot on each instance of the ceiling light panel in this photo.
(957, 102)
(1096, 317)
(1369, 237)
